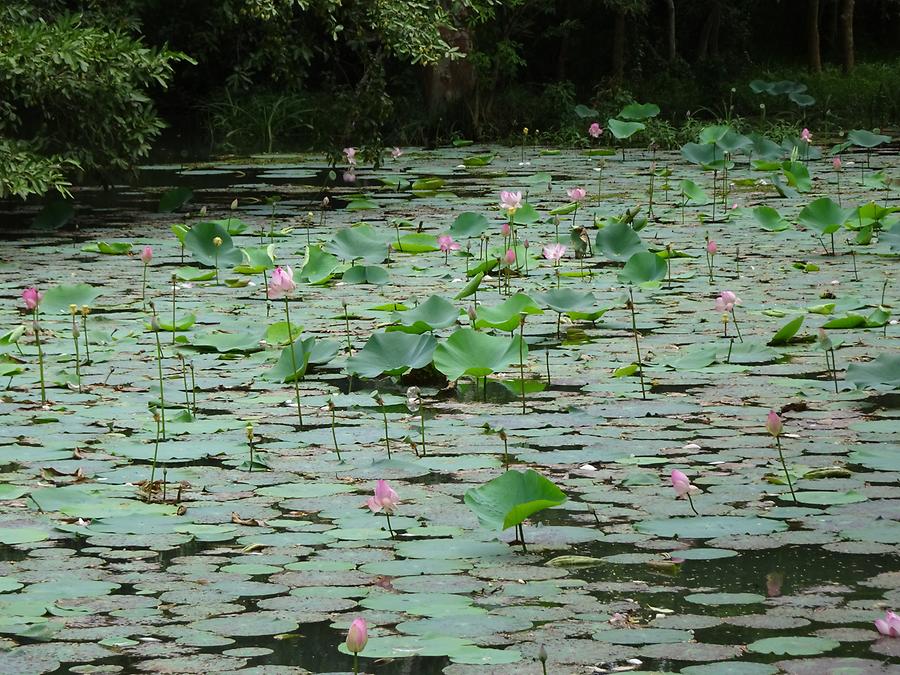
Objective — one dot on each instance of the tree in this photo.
(72, 97)
(813, 52)
(848, 58)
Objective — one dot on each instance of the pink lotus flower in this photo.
(385, 498)
(147, 255)
(282, 283)
(837, 163)
(711, 247)
(510, 201)
(350, 155)
(682, 484)
(32, 298)
(505, 229)
(727, 301)
(595, 130)
(510, 257)
(554, 252)
(357, 636)
(446, 243)
(805, 135)
(349, 176)
(396, 153)
(577, 194)
(889, 625)
(774, 425)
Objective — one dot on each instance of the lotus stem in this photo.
(85, 310)
(162, 400)
(337, 450)
(784, 466)
(184, 378)
(287, 316)
(174, 286)
(691, 502)
(193, 390)
(855, 271)
(156, 418)
(637, 345)
(522, 359)
(387, 439)
(390, 529)
(72, 310)
(266, 288)
(547, 361)
(736, 326)
(422, 418)
(347, 329)
(40, 351)
(521, 531)
(144, 288)
(730, 346)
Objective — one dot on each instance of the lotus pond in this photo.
(170, 509)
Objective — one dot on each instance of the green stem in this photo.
(388, 516)
(834, 372)
(87, 344)
(522, 360)
(287, 316)
(547, 361)
(736, 326)
(784, 466)
(347, 326)
(162, 400)
(355, 663)
(77, 352)
(334, 437)
(422, 417)
(153, 467)
(173, 308)
(691, 502)
(387, 440)
(40, 351)
(637, 346)
(144, 289)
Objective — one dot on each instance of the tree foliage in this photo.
(72, 96)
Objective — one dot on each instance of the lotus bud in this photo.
(542, 654)
(202, 211)
(249, 431)
(774, 424)
(73, 309)
(502, 435)
(234, 204)
(473, 313)
(76, 331)
(357, 636)
(154, 324)
(217, 241)
(325, 202)
(85, 310)
(525, 130)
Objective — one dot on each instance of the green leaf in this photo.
(623, 130)
(619, 241)
(642, 268)
(392, 354)
(824, 216)
(793, 645)
(257, 259)
(366, 274)
(318, 267)
(881, 373)
(416, 242)
(361, 241)
(787, 331)
(468, 352)
(174, 199)
(470, 287)
(639, 111)
(58, 298)
(433, 314)
(511, 497)
(507, 315)
(769, 219)
(469, 224)
(867, 139)
(478, 160)
(108, 248)
(200, 241)
(693, 193)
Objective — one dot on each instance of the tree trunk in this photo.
(618, 55)
(848, 57)
(670, 19)
(813, 51)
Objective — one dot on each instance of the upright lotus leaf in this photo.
(769, 219)
(257, 259)
(374, 275)
(200, 241)
(227, 342)
(643, 268)
(306, 351)
(873, 215)
(511, 497)
(433, 314)
(58, 298)
(623, 130)
(881, 373)
(797, 175)
(471, 287)
(507, 315)
(576, 304)
(787, 331)
(478, 160)
(359, 242)
(391, 354)
(318, 267)
(526, 215)
(765, 148)
(618, 241)
(866, 139)
(732, 142)
(54, 216)
(639, 111)
(824, 216)
(108, 247)
(233, 225)
(693, 193)
(174, 199)
(713, 133)
(416, 242)
(706, 155)
(468, 352)
(428, 184)
(469, 224)
(584, 112)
